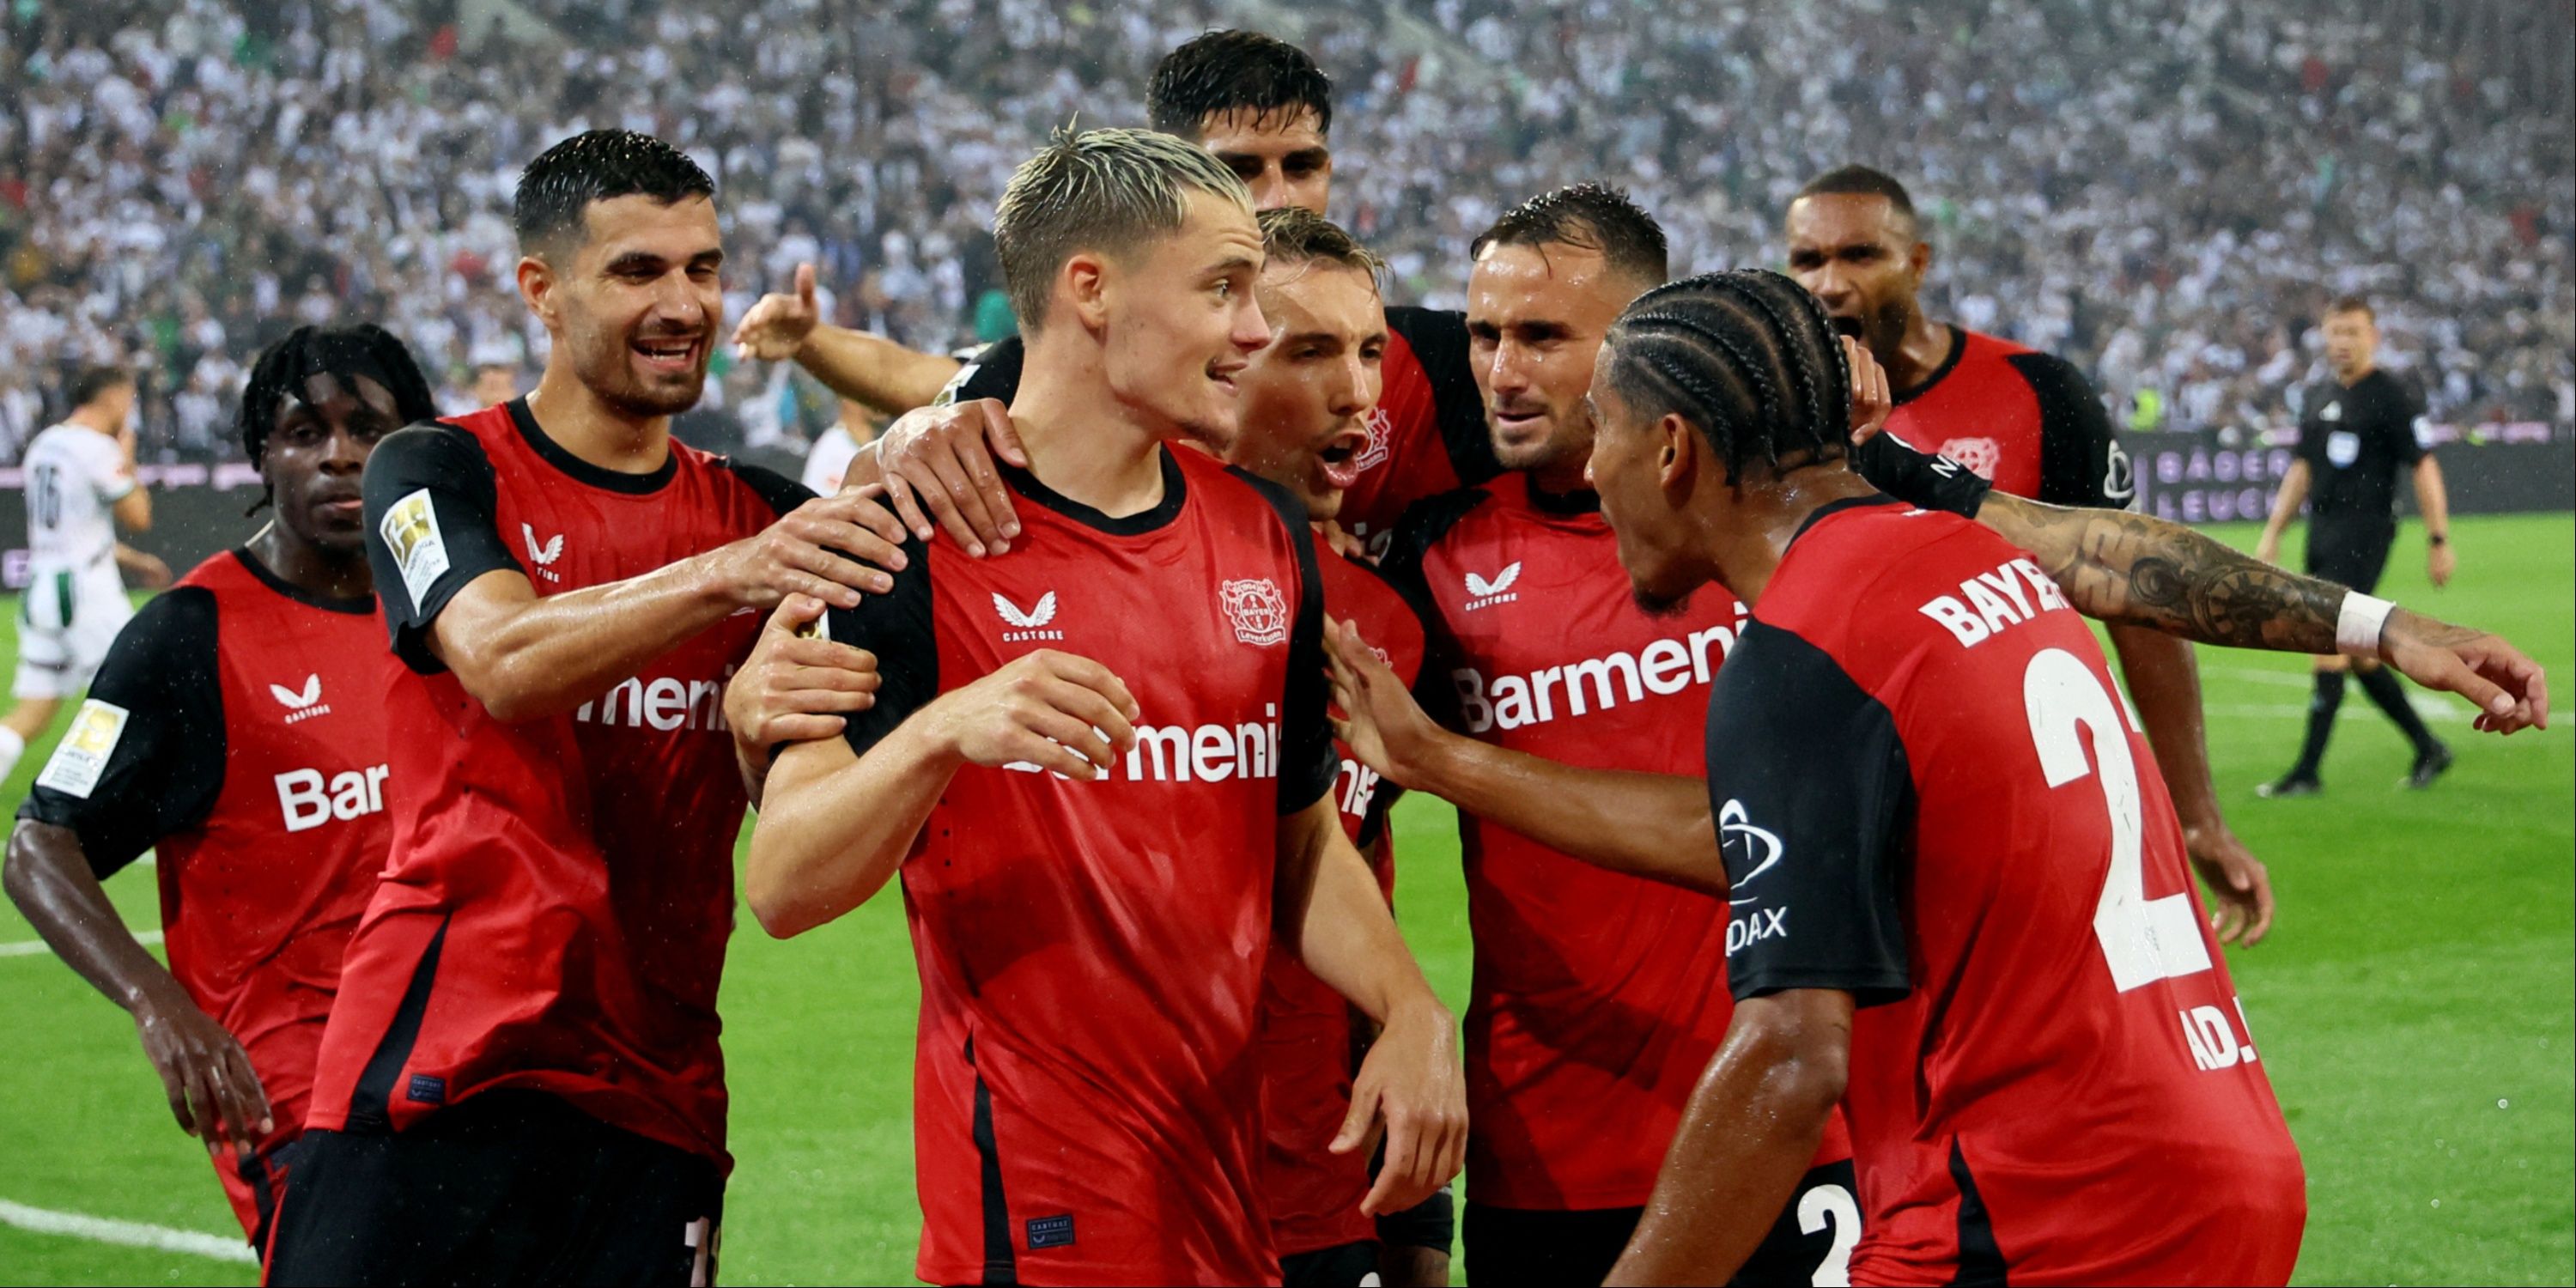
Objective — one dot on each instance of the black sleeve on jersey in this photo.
(1307, 762)
(2080, 459)
(994, 373)
(167, 767)
(1813, 800)
(779, 492)
(1390, 791)
(896, 626)
(456, 541)
(1438, 338)
(1422, 526)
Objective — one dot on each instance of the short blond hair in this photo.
(1296, 235)
(1113, 191)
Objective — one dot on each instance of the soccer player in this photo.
(2357, 433)
(234, 728)
(80, 489)
(1930, 799)
(520, 1078)
(1263, 107)
(1592, 1011)
(1096, 862)
(2031, 424)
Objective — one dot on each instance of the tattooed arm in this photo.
(2132, 568)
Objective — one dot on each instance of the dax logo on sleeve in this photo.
(80, 759)
(1749, 851)
(301, 704)
(1485, 594)
(1030, 624)
(1257, 610)
(410, 531)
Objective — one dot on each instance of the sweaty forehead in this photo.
(1830, 219)
(1274, 132)
(1551, 283)
(330, 392)
(678, 231)
(1317, 295)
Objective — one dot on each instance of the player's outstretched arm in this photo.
(1752, 1125)
(1649, 825)
(1410, 1087)
(857, 365)
(213, 1093)
(835, 825)
(526, 656)
(793, 688)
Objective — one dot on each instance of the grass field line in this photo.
(131, 1234)
(39, 948)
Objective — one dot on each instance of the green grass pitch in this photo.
(2413, 1006)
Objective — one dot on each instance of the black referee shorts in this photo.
(2353, 551)
(510, 1187)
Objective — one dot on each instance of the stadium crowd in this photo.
(2165, 191)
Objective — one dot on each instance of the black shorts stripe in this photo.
(1001, 1261)
(1981, 1259)
(371, 1108)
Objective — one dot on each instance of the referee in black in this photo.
(2357, 434)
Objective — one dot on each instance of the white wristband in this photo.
(2357, 627)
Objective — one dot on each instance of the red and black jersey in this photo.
(1931, 797)
(2028, 422)
(236, 726)
(1597, 999)
(1091, 953)
(1427, 434)
(1308, 1040)
(554, 911)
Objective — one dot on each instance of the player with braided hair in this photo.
(234, 728)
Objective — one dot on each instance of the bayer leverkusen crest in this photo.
(1257, 610)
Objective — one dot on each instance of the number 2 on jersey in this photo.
(2143, 940)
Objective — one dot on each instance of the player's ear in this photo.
(1920, 257)
(1083, 285)
(1677, 451)
(537, 287)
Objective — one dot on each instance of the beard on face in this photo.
(607, 367)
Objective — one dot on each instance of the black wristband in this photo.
(1919, 479)
(2438, 539)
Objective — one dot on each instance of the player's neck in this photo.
(586, 425)
(94, 421)
(1922, 352)
(311, 568)
(1082, 442)
(2355, 376)
(1760, 521)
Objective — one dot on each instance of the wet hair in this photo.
(341, 352)
(1100, 190)
(1591, 216)
(598, 165)
(1295, 235)
(1235, 71)
(92, 383)
(2352, 304)
(1748, 357)
(1861, 181)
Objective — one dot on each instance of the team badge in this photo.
(1381, 438)
(1257, 610)
(1983, 455)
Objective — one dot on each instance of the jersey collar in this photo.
(268, 577)
(1175, 491)
(1958, 350)
(581, 471)
(1832, 508)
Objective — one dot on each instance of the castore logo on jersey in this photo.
(1029, 625)
(301, 704)
(544, 555)
(1485, 594)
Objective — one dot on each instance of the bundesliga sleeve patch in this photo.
(410, 530)
(80, 759)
